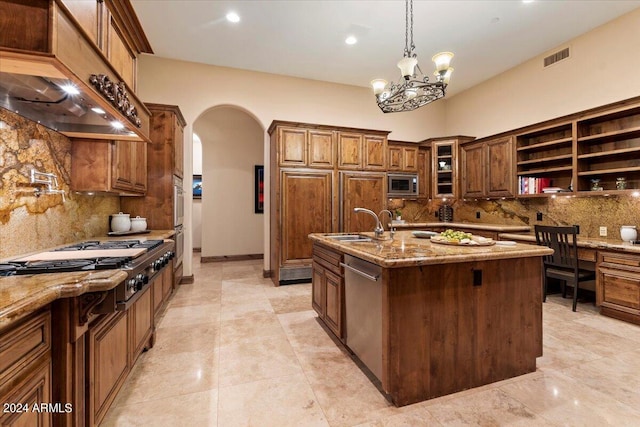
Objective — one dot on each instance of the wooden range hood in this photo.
(92, 45)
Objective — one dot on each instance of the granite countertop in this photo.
(22, 295)
(405, 250)
(467, 225)
(583, 242)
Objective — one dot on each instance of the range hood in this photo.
(59, 105)
(66, 72)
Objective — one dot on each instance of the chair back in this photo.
(563, 242)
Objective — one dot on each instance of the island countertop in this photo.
(405, 250)
(22, 295)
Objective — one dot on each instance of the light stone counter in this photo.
(22, 295)
(405, 250)
(471, 226)
(583, 242)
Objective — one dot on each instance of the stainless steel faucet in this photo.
(392, 229)
(378, 231)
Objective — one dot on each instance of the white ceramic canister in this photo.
(120, 222)
(628, 233)
(138, 224)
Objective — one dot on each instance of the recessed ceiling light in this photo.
(351, 40)
(233, 17)
(98, 110)
(527, 1)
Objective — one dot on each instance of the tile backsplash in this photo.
(29, 222)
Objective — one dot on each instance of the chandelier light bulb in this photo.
(442, 60)
(444, 77)
(378, 86)
(407, 66)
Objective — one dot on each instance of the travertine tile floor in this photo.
(232, 350)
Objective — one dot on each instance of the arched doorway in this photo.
(232, 146)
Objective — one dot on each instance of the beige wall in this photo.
(604, 67)
(195, 88)
(232, 144)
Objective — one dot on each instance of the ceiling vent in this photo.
(556, 57)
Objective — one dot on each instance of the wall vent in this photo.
(558, 56)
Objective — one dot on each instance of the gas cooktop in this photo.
(112, 244)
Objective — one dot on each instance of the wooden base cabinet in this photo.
(141, 324)
(25, 372)
(364, 190)
(108, 364)
(328, 288)
(618, 285)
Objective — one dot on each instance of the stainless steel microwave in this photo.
(402, 185)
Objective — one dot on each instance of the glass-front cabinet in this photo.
(444, 168)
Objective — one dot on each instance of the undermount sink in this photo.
(350, 238)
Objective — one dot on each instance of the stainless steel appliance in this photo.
(402, 185)
(178, 218)
(153, 256)
(363, 300)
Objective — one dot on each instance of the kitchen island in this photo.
(433, 319)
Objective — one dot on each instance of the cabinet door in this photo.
(167, 281)
(349, 151)
(500, 170)
(333, 311)
(318, 289)
(120, 54)
(157, 293)
(88, 14)
(108, 363)
(140, 323)
(473, 164)
(395, 158)
(361, 190)
(410, 159)
(178, 148)
(306, 207)
(375, 153)
(140, 167)
(424, 173)
(619, 290)
(34, 390)
(321, 149)
(124, 153)
(292, 147)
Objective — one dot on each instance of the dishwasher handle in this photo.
(361, 273)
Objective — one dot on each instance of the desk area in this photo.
(617, 267)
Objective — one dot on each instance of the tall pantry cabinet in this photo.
(314, 171)
(165, 160)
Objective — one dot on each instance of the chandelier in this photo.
(412, 90)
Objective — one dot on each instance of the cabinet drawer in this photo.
(620, 259)
(23, 344)
(587, 254)
(327, 258)
(621, 289)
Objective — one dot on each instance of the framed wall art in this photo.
(197, 186)
(259, 189)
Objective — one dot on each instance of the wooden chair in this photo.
(563, 263)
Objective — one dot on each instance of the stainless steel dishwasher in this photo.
(363, 307)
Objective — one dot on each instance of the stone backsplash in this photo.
(29, 222)
(590, 213)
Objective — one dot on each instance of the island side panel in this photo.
(442, 334)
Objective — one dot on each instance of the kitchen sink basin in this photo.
(350, 238)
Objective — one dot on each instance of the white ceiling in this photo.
(305, 38)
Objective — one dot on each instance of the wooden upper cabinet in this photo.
(89, 15)
(500, 167)
(292, 147)
(120, 54)
(178, 145)
(473, 160)
(375, 153)
(321, 149)
(403, 158)
(350, 151)
(424, 173)
(487, 168)
(109, 166)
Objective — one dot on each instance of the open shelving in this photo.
(546, 155)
